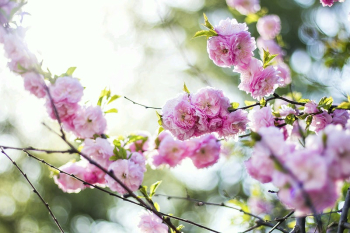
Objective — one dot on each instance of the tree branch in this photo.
(344, 214)
(299, 226)
(34, 190)
(141, 104)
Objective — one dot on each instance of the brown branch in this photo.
(113, 194)
(299, 226)
(34, 190)
(38, 150)
(344, 214)
(280, 221)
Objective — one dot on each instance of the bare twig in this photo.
(280, 221)
(141, 104)
(113, 194)
(34, 190)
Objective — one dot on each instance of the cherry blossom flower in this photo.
(151, 223)
(99, 150)
(35, 84)
(67, 183)
(260, 117)
(244, 7)
(269, 26)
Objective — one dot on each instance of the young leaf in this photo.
(268, 58)
(112, 110)
(186, 89)
(113, 158)
(263, 102)
(255, 136)
(205, 33)
(156, 205)
(159, 119)
(207, 24)
(308, 121)
(344, 105)
(247, 102)
(114, 97)
(234, 105)
(70, 71)
(153, 188)
(290, 119)
(161, 129)
(326, 103)
(143, 190)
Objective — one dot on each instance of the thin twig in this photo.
(299, 226)
(280, 221)
(38, 150)
(141, 104)
(34, 190)
(112, 194)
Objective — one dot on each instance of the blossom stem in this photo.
(141, 104)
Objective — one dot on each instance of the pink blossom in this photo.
(259, 206)
(141, 145)
(285, 110)
(271, 46)
(67, 89)
(229, 27)
(329, 2)
(94, 175)
(17, 51)
(260, 117)
(170, 152)
(66, 111)
(309, 168)
(67, 183)
(340, 116)
(284, 73)
(204, 124)
(6, 8)
(35, 84)
(220, 52)
(311, 107)
(244, 7)
(89, 121)
(269, 26)
(139, 159)
(206, 152)
(236, 49)
(184, 115)
(208, 101)
(151, 223)
(260, 168)
(257, 81)
(235, 123)
(129, 173)
(337, 150)
(320, 121)
(99, 150)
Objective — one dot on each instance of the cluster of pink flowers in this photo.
(330, 2)
(233, 46)
(129, 171)
(312, 171)
(190, 115)
(203, 151)
(244, 7)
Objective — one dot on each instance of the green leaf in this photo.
(255, 136)
(104, 93)
(268, 58)
(263, 102)
(305, 101)
(153, 188)
(206, 33)
(308, 121)
(70, 71)
(344, 105)
(326, 103)
(251, 18)
(186, 89)
(113, 158)
(135, 138)
(116, 142)
(248, 143)
(303, 117)
(234, 105)
(159, 119)
(276, 114)
(207, 24)
(290, 119)
(180, 227)
(112, 110)
(114, 97)
(161, 129)
(248, 103)
(143, 190)
(156, 205)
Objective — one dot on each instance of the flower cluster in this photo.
(190, 115)
(244, 7)
(129, 171)
(150, 223)
(203, 151)
(234, 46)
(303, 173)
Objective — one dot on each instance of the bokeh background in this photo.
(143, 50)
